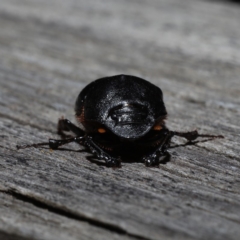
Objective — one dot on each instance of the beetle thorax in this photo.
(125, 105)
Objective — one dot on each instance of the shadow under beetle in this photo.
(121, 115)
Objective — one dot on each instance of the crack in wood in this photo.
(7, 236)
(71, 215)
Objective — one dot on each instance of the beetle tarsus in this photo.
(113, 162)
(35, 145)
(54, 144)
(151, 160)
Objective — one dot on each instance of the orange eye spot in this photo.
(157, 127)
(101, 130)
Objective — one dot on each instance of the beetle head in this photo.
(129, 120)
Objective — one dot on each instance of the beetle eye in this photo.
(101, 130)
(157, 127)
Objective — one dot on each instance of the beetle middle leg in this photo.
(66, 125)
(63, 125)
(192, 135)
(54, 143)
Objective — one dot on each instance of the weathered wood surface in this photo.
(49, 50)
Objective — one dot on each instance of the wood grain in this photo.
(49, 50)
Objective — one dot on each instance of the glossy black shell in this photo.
(127, 106)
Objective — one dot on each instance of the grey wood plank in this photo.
(49, 50)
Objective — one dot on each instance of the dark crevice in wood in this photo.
(235, 2)
(11, 236)
(71, 215)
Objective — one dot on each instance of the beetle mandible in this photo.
(121, 115)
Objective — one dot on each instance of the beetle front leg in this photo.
(100, 153)
(152, 159)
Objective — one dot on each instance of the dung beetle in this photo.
(121, 116)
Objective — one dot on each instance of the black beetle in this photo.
(122, 115)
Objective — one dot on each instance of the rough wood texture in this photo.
(50, 49)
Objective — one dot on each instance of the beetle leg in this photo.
(54, 143)
(66, 125)
(190, 136)
(100, 153)
(153, 158)
(63, 125)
